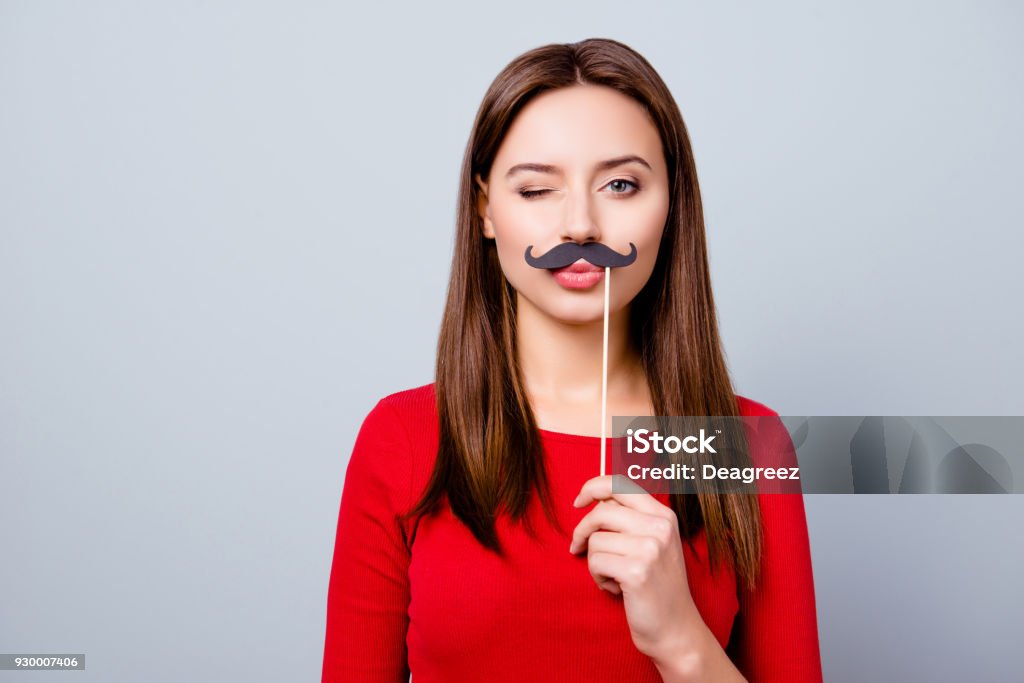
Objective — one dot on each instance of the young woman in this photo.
(475, 540)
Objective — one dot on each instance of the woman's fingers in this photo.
(638, 555)
(625, 492)
(608, 518)
(609, 570)
(623, 519)
(613, 543)
(607, 584)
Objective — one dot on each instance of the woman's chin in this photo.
(569, 308)
(577, 313)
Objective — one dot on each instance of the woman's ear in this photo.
(483, 207)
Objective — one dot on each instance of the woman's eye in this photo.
(620, 186)
(530, 194)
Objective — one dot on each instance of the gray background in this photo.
(226, 231)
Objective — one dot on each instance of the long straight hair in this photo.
(489, 458)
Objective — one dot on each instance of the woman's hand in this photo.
(634, 550)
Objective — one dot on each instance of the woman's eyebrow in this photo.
(619, 161)
(601, 166)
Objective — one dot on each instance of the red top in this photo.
(448, 610)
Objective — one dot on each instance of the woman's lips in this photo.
(579, 275)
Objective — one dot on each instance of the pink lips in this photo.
(579, 275)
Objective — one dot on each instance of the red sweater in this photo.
(449, 610)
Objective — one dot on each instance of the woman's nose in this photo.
(579, 223)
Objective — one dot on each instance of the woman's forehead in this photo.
(580, 126)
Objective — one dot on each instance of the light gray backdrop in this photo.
(226, 231)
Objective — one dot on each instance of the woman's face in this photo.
(579, 164)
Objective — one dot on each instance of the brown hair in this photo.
(489, 455)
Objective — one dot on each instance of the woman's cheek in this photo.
(627, 286)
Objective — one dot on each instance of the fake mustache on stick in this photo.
(597, 254)
(568, 253)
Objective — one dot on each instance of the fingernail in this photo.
(576, 501)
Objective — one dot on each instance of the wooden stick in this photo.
(604, 364)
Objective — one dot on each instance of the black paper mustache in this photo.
(567, 253)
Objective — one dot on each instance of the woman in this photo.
(475, 542)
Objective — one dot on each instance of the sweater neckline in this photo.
(583, 439)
